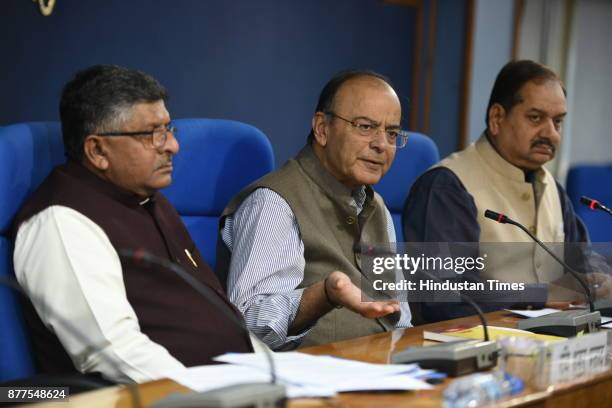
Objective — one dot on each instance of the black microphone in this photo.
(503, 219)
(371, 250)
(564, 323)
(454, 358)
(12, 283)
(594, 204)
(226, 396)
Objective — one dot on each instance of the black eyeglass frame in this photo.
(159, 143)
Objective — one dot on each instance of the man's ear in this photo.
(319, 128)
(497, 113)
(95, 151)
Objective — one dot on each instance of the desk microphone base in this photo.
(604, 306)
(252, 395)
(568, 323)
(455, 358)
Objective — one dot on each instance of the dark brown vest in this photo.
(169, 311)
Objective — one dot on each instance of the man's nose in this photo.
(379, 140)
(552, 131)
(172, 145)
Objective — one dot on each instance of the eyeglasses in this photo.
(395, 137)
(157, 137)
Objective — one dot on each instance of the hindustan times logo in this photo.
(412, 264)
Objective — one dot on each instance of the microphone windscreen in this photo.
(492, 215)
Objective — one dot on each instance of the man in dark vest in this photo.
(136, 322)
(288, 241)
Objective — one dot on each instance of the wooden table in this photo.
(592, 392)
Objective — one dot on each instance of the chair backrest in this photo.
(594, 182)
(28, 152)
(217, 159)
(410, 162)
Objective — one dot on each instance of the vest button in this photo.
(525, 196)
(533, 229)
(350, 220)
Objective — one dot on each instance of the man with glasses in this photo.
(288, 241)
(139, 321)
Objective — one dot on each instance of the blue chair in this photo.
(594, 182)
(410, 162)
(28, 152)
(217, 159)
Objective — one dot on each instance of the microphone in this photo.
(594, 204)
(373, 251)
(566, 323)
(603, 305)
(503, 219)
(454, 358)
(272, 394)
(132, 387)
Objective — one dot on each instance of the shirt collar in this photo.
(310, 163)
(359, 196)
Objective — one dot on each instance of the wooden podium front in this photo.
(591, 392)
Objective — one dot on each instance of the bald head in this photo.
(331, 88)
(350, 136)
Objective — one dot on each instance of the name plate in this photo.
(576, 357)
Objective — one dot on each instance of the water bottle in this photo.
(481, 388)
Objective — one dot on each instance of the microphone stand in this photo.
(565, 323)
(226, 397)
(454, 358)
(603, 305)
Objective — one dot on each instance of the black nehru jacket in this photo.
(169, 311)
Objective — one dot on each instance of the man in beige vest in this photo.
(503, 171)
(288, 241)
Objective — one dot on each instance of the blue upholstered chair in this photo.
(594, 182)
(410, 162)
(28, 152)
(217, 158)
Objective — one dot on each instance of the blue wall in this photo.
(262, 62)
(448, 74)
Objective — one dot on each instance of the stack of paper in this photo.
(533, 313)
(304, 375)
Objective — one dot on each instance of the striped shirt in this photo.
(267, 265)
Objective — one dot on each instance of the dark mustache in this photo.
(166, 162)
(544, 142)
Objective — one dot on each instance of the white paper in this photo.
(304, 375)
(300, 368)
(534, 313)
(399, 382)
(605, 320)
(206, 378)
